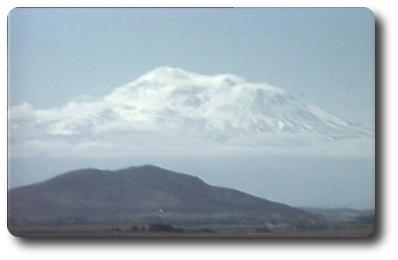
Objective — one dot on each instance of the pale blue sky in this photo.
(324, 55)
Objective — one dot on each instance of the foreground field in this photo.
(331, 223)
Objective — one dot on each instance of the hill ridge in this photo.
(133, 191)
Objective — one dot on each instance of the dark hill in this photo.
(92, 193)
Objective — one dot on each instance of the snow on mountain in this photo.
(173, 102)
(223, 105)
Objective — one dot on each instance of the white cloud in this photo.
(171, 112)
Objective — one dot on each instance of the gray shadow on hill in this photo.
(372, 240)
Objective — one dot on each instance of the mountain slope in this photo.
(135, 191)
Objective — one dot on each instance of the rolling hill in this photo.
(124, 193)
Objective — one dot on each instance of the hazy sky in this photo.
(324, 56)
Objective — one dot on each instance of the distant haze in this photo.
(283, 110)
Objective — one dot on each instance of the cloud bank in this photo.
(172, 112)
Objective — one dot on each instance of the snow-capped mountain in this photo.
(222, 105)
(184, 104)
